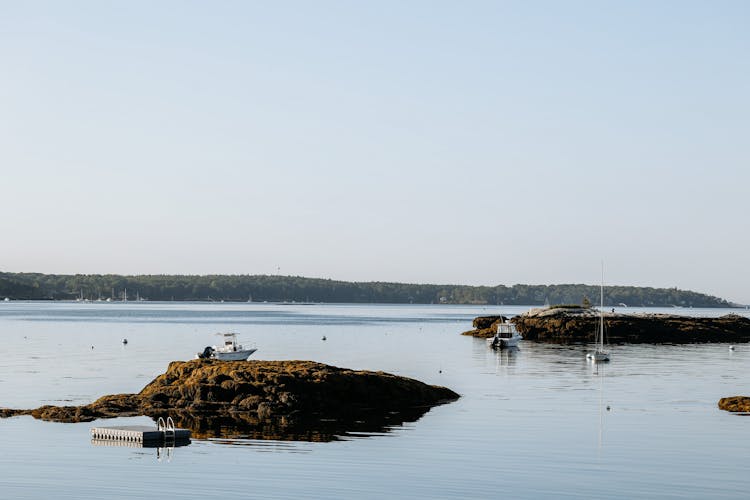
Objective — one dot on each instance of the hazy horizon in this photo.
(477, 143)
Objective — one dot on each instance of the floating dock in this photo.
(141, 435)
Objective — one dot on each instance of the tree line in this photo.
(266, 288)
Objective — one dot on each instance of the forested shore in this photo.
(267, 288)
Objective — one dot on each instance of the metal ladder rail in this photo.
(170, 429)
(166, 428)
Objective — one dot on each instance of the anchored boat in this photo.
(229, 350)
(600, 354)
(506, 335)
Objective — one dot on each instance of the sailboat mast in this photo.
(601, 311)
(599, 353)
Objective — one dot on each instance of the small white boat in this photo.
(506, 335)
(230, 350)
(598, 356)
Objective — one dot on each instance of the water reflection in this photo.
(164, 453)
(599, 371)
(505, 357)
(164, 449)
(239, 426)
(121, 443)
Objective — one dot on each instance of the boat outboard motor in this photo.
(207, 352)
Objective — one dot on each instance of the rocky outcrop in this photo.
(739, 404)
(485, 326)
(566, 325)
(264, 398)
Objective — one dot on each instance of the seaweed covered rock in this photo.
(272, 388)
(737, 404)
(569, 325)
(485, 326)
(213, 395)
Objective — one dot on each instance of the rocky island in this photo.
(264, 399)
(571, 325)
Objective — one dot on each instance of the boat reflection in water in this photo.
(506, 357)
(600, 373)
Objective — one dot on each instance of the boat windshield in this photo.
(505, 330)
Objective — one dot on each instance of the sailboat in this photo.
(600, 354)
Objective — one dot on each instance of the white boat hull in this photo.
(511, 342)
(230, 350)
(505, 342)
(598, 356)
(234, 355)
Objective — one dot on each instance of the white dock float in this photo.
(140, 435)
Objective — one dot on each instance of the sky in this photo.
(441, 142)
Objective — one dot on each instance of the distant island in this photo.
(268, 288)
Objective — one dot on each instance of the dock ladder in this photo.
(166, 428)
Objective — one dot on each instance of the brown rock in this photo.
(566, 325)
(10, 412)
(485, 326)
(739, 404)
(484, 322)
(277, 395)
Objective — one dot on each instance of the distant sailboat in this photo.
(600, 354)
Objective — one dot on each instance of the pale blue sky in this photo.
(440, 142)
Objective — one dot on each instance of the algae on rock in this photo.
(264, 398)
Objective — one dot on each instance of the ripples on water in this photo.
(536, 422)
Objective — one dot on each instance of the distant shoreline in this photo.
(297, 289)
(729, 308)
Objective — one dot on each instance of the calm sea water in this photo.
(539, 422)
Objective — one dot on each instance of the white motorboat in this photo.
(506, 335)
(230, 350)
(600, 354)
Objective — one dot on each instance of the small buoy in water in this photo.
(731, 348)
(440, 371)
(124, 341)
(324, 337)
